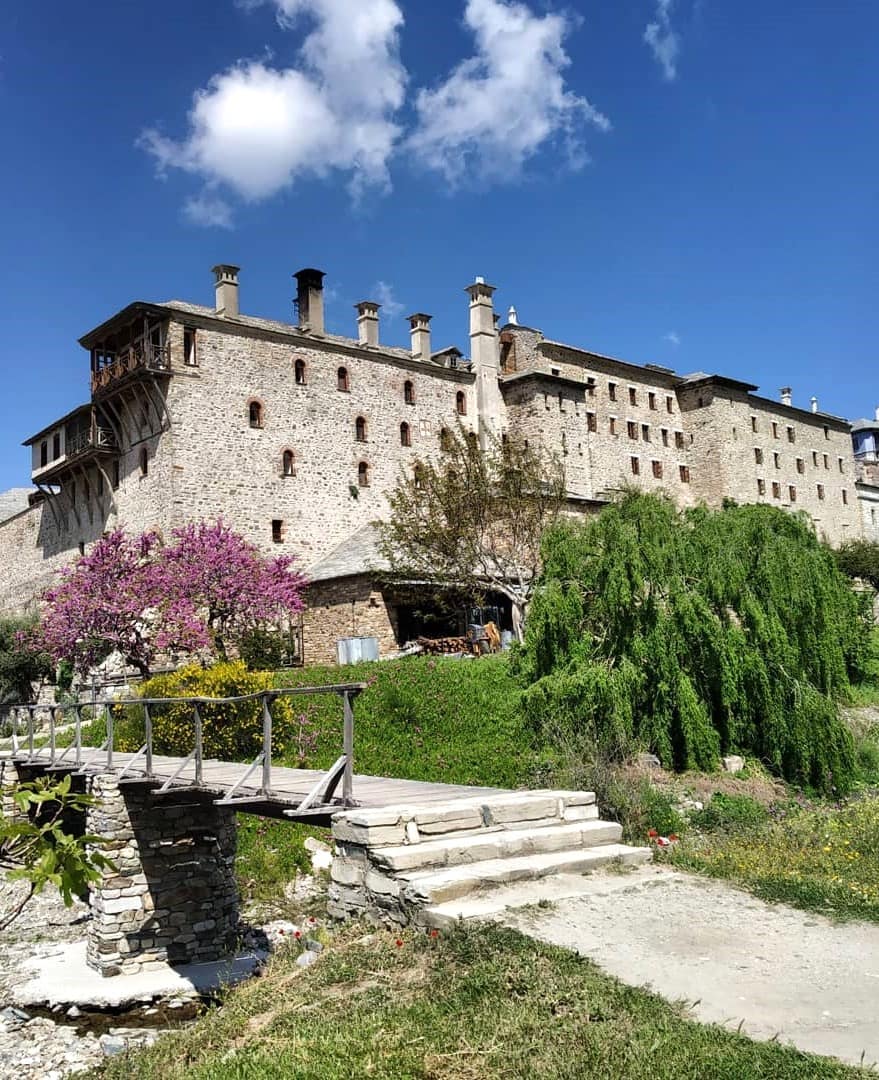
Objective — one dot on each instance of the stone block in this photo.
(347, 871)
(733, 763)
(381, 884)
(123, 903)
(580, 813)
(368, 836)
(527, 808)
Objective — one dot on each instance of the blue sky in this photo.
(685, 182)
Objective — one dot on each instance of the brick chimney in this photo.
(419, 328)
(226, 285)
(485, 360)
(310, 299)
(367, 322)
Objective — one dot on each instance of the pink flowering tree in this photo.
(140, 597)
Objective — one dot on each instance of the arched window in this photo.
(299, 372)
(360, 429)
(445, 439)
(144, 462)
(342, 380)
(409, 392)
(363, 474)
(288, 463)
(254, 414)
(405, 435)
(461, 403)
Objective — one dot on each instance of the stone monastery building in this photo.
(295, 436)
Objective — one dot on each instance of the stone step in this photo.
(500, 844)
(426, 888)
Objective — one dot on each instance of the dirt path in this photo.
(777, 971)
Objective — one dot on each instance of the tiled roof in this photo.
(359, 554)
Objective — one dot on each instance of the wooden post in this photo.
(348, 749)
(266, 747)
(53, 712)
(108, 718)
(197, 716)
(30, 730)
(148, 739)
(77, 738)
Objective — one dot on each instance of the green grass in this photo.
(867, 692)
(479, 1003)
(271, 854)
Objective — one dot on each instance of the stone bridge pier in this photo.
(172, 896)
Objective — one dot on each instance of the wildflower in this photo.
(652, 833)
(297, 934)
(398, 942)
(434, 933)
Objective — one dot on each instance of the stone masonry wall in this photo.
(172, 896)
(345, 607)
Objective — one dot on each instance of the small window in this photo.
(826, 461)
(753, 423)
(254, 414)
(826, 432)
(591, 422)
(758, 455)
(679, 440)
(590, 386)
(190, 356)
(633, 396)
(342, 381)
(801, 465)
(636, 465)
(776, 489)
(612, 391)
(612, 425)
(669, 404)
(44, 453)
(821, 492)
(360, 429)
(405, 435)
(844, 497)
(81, 547)
(761, 487)
(632, 429)
(363, 474)
(288, 463)
(651, 400)
(300, 373)
(791, 435)
(277, 531)
(645, 432)
(774, 430)
(56, 446)
(445, 439)
(408, 392)
(841, 465)
(685, 473)
(561, 403)
(815, 458)
(776, 459)
(114, 475)
(144, 462)
(657, 469)
(461, 403)
(664, 436)
(792, 493)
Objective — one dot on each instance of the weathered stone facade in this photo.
(172, 895)
(346, 607)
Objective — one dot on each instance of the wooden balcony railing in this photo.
(154, 358)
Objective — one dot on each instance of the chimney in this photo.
(877, 413)
(512, 317)
(419, 328)
(814, 403)
(367, 322)
(485, 361)
(786, 398)
(310, 299)
(226, 284)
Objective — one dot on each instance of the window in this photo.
(815, 458)
(405, 435)
(844, 497)
(632, 429)
(758, 455)
(592, 422)
(612, 391)
(753, 423)
(657, 469)
(685, 473)
(342, 381)
(363, 474)
(791, 435)
(669, 404)
(299, 372)
(651, 400)
(408, 392)
(277, 531)
(821, 492)
(826, 461)
(761, 487)
(44, 453)
(81, 547)
(664, 436)
(776, 458)
(561, 403)
(254, 414)
(288, 463)
(190, 356)
(461, 403)
(645, 432)
(776, 489)
(590, 386)
(633, 396)
(801, 465)
(792, 493)
(612, 425)
(841, 465)
(56, 445)
(144, 462)
(826, 432)
(774, 430)
(679, 440)
(114, 475)
(636, 465)
(445, 439)
(360, 429)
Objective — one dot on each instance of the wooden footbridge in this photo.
(258, 787)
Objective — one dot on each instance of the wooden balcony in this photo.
(136, 361)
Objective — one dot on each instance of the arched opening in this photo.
(405, 435)
(288, 463)
(254, 414)
(409, 392)
(360, 429)
(461, 403)
(342, 381)
(299, 372)
(363, 474)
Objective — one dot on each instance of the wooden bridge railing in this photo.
(24, 743)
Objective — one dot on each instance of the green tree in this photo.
(697, 633)
(860, 559)
(22, 663)
(472, 519)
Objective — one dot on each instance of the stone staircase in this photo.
(435, 863)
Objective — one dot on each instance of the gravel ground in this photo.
(777, 971)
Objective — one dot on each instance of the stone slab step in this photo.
(431, 887)
(501, 844)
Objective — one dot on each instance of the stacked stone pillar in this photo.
(172, 896)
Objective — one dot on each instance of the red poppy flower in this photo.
(672, 837)
(297, 935)
(399, 942)
(434, 933)
(652, 832)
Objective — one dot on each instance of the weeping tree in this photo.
(697, 633)
(471, 520)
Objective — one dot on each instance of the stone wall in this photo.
(345, 607)
(172, 895)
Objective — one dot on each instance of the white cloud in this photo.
(664, 42)
(208, 209)
(256, 128)
(672, 338)
(383, 294)
(499, 107)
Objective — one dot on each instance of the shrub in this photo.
(730, 811)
